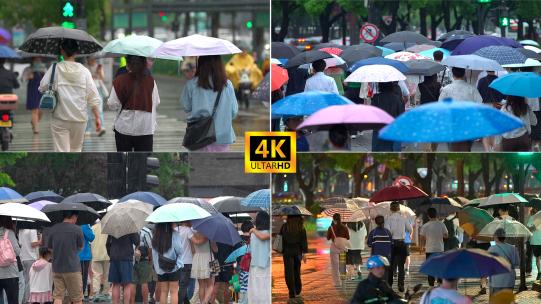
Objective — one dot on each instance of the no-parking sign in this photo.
(369, 32)
(404, 180)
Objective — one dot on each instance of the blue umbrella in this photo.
(306, 103)
(385, 51)
(8, 195)
(145, 197)
(527, 84)
(449, 121)
(502, 54)
(44, 196)
(7, 52)
(236, 254)
(217, 228)
(260, 198)
(464, 263)
(430, 53)
(380, 60)
(472, 44)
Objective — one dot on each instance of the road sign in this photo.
(369, 32)
(404, 180)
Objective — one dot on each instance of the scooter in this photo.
(245, 88)
(8, 103)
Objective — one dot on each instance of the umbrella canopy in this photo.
(465, 263)
(283, 50)
(397, 193)
(47, 41)
(430, 53)
(473, 220)
(237, 253)
(472, 44)
(503, 199)
(217, 228)
(354, 117)
(86, 215)
(534, 203)
(44, 195)
(40, 204)
(528, 42)
(195, 201)
(385, 51)
(92, 200)
(7, 52)
(262, 92)
(452, 42)
(423, 67)
(306, 57)
(196, 45)
(279, 77)
(443, 205)
(231, 204)
(137, 45)
(5, 36)
(461, 200)
(21, 211)
(527, 84)
(533, 48)
(329, 62)
(476, 202)
(528, 63)
(8, 195)
(407, 36)
(383, 208)
(536, 219)
(375, 73)
(306, 103)
(355, 53)
(405, 56)
(449, 121)
(332, 50)
(174, 213)
(472, 62)
(126, 218)
(345, 213)
(291, 210)
(512, 228)
(501, 54)
(380, 60)
(529, 53)
(398, 46)
(260, 198)
(419, 48)
(324, 45)
(151, 198)
(455, 33)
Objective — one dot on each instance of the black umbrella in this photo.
(291, 210)
(92, 200)
(44, 196)
(232, 205)
(329, 45)
(454, 34)
(55, 212)
(283, 50)
(407, 36)
(423, 67)
(47, 41)
(534, 203)
(355, 53)
(452, 42)
(529, 53)
(443, 205)
(306, 57)
(398, 46)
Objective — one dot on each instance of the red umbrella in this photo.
(332, 50)
(278, 77)
(396, 193)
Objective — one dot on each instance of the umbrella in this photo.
(430, 53)
(529, 42)
(44, 195)
(237, 253)
(502, 54)
(461, 200)
(196, 45)
(291, 210)
(473, 220)
(8, 195)
(536, 219)
(151, 198)
(398, 46)
(174, 213)
(443, 205)
(529, 53)
(195, 201)
(533, 48)
(534, 203)
(399, 65)
(5, 36)
(306, 57)
(423, 67)
(397, 193)
(359, 52)
(324, 45)
(345, 213)
(47, 41)
(217, 228)
(528, 63)
(405, 56)
(332, 50)
(452, 42)
(260, 198)
(455, 33)
(383, 208)
(449, 121)
(40, 204)
(137, 45)
(279, 77)
(512, 229)
(21, 211)
(7, 52)
(231, 204)
(55, 212)
(385, 51)
(464, 263)
(503, 199)
(375, 73)
(275, 61)
(354, 117)
(476, 202)
(92, 200)
(472, 44)
(306, 103)
(472, 62)
(329, 62)
(283, 50)
(419, 48)
(527, 84)
(262, 92)
(407, 36)
(126, 218)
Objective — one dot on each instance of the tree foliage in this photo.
(173, 174)
(6, 160)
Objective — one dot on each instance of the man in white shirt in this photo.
(28, 239)
(186, 282)
(319, 81)
(398, 225)
(433, 232)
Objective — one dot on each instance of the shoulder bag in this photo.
(167, 264)
(214, 264)
(200, 133)
(342, 244)
(49, 99)
(246, 260)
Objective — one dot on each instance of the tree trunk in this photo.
(520, 29)
(357, 179)
(485, 167)
(422, 17)
(354, 30)
(433, 26)
(446, 15)
(531, 31)
(472, 177)
(460, 176)
(427, 180)
(187, 22)
(287, 8)
(215, 23)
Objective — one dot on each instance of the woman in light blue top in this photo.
(199, 97)
(259, 281)
(167, 246)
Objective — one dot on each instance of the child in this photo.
(41, 278)
(243, 275)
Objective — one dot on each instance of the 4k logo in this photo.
(270, 152)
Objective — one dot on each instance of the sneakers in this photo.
(100, 132)
(401, 288)
(483, 291)
(538, 276)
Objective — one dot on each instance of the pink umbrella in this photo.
(419, 48)
(354, 117)
(335, 51)
(405, 56)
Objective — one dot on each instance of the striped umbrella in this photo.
(260, 198)
(345, 213)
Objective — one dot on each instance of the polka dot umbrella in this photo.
(46, 41)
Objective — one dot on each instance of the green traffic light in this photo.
(164, 18)
(485, 1)
(68, 24)
(249, 24)
(504, 21)
(67, 10)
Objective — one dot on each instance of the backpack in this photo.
(452, 240)
(7, 254)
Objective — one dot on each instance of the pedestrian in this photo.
(444, 76)
(292, 123)
(391, 103)
(380, 239)
(203, 255)
(8, 79)
(398, 225)
(338, 234)
(509, 252)
(339, 138)
(65, 240)
(208, 90)
(294, 250)
(452, 224)
(121, 253)
(357, 238)
(259, 282)
(221, 282)
(41, 279)
(433, 232)
(336, 73)
(29, 243)
(319, 81)
(33, 75)
(518, 139)
(374, 289)
(244, 274)
(100, 265)
(188, 67)
(297, 80)
(96, 70)
(429, 89)
(85, 256)
(166, 259)
(535, 243)
(135, 97)
(77, 93)
(490, 97)
(185, 232)
(445, 293)
(142, 267)
(9, 272)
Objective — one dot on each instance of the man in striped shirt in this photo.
(379, 240)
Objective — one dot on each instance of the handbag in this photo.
(214, 265)
(278, 243)
(166, 264)
(342, 244)
(200, 133)
(49, 99)
(246, 260)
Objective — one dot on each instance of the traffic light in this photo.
(68, 24)
(484, 1)
(67, 10)
(163, 16)
(153, 163)
(503, 21)
(249, 24)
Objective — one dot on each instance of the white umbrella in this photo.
(536, 219)
(472, 62)
(329, 62)
(529, 63)
(502, 199)
(21, 211)
(375, 73)
(125, 218)
(196, 45)
(275, 61)
(406, 56)
(383, 208)
(512, 229)
(532, 48)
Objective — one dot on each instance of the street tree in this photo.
(7, 160)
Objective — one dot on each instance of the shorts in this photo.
(142, 272)
(536, 250)
(408, 249)
(169, 276)
(120, 272)
(353, 257)
(72, 282)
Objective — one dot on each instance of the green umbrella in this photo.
(512, 229)
(138, 45)
(472, 220)
(177, 212)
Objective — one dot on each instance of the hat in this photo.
(376, 261)
(500, 232)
